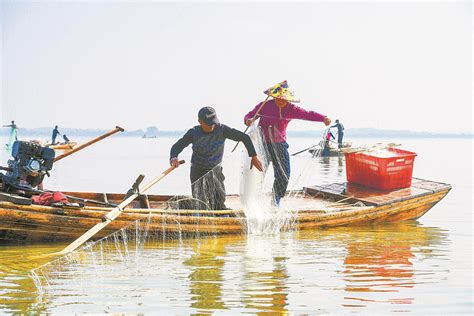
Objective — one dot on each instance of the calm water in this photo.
(415, 267)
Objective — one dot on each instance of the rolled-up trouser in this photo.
(279, 156)
(207, 185)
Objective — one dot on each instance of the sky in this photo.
(389, 65)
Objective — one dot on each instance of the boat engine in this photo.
(30, 163)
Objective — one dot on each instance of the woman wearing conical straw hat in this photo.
(275, 114)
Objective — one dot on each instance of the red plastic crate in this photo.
(385, 173)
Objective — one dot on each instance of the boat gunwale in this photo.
(58, 226)
(89, 211)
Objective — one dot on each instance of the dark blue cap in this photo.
(208, 115)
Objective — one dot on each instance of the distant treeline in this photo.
(154, 132)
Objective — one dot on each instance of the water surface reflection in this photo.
(371, 269)
(390, 261)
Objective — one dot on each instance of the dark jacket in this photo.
(208, 148)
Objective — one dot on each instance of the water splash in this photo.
(262, 214)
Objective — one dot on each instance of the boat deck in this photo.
(353, 193)
(291, 202)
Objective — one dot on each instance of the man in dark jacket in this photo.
(54, 135)
(207, 180)
(340, 132)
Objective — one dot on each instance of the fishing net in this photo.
(270, 202)
(268, 205)
(123, 252)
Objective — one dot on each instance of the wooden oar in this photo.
(95, 140)
(321, 143)
(110, 216)
(252, 119)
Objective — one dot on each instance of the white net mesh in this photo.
(262, 194)
(267, 205)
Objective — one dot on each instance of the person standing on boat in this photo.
(208, 140)
(274, 117)
(55, 134)
(340, 132)
(13, 129)
(13, 135)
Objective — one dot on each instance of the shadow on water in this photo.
(355, 268)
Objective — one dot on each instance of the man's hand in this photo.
(327, 121)
(255, 162)
(174, 162)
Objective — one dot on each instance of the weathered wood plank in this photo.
(369, 196)
(7, 197)
(145, 201)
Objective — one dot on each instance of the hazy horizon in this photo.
(390, 65)
(350, 132)
(316, 127)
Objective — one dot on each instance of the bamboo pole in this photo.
(95, 140)
(109, 217)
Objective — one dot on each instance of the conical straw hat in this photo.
(282, 91)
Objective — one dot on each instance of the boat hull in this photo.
(35, 223)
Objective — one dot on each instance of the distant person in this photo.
(340, 132)
(12, 125)
(13, 135)
(327, 141)
(275, 115)
(13, 130)
(208, 140)
(66, 139)
(55, 134)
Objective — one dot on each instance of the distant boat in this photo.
(145, 136)
(63, 146)
(151, 132)
(333, 152)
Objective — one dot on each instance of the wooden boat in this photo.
(63, 146)
(338, 204)
(333, 152)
